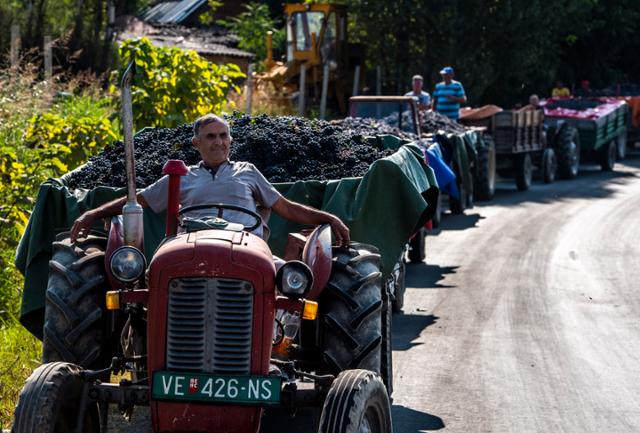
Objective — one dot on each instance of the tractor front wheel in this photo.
(351, 308)
(73, 321)
(357, 403)
(50, 399)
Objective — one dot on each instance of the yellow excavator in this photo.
(316, 36)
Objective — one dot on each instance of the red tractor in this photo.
(213, 331)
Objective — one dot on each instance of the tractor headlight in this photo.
(127, 264)
(294, 279)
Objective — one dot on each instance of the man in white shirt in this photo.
(217, 180)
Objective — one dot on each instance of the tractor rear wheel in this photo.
(73, 326)
(50, 399)
(386, 347)
(568, 152)
(607, 156)
(523, 170)
(357, 403)
(351, 311)
(485, 180)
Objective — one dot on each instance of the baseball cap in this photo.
(447, 70)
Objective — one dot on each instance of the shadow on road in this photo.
(408, 420)
(408, 327)
(459, 221)
(591, 182)
(427, 276)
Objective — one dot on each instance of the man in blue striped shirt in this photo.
(448, 95)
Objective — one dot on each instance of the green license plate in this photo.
(170, 385)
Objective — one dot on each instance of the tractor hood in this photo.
(212, 253)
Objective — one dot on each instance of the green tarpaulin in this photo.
(384, 208)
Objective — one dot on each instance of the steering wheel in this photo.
(221, 207)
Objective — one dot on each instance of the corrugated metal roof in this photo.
(172, 12)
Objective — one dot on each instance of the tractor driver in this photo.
(215, 179)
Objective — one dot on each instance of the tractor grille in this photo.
(209, 325)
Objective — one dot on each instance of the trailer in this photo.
(519, 140)
(601, 124)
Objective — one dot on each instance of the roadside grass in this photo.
(22, 169)
(20, 354)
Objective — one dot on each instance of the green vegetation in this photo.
(251, 26)
(173, 86)
(49, 129)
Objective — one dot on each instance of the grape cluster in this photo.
(284, 149)
(434, 122)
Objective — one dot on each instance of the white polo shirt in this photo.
(235, 183)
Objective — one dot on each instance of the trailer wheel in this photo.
(523, 170)
(485, 181)
(50, 399)
(416, 247)
(568, 152)
(621, 146)
(73, 325)
(436, 220)
(351, 311)
(549, 165)
(357, 402)
(607, 156)
(397, 278)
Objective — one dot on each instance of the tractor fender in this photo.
(318, 256)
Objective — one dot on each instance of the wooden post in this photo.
(15, 45)
(48, 64)
(356, 81)
(378, 80)
(302, 89)
(325, 89)
(249, 90)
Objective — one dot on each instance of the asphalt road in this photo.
(525, 316)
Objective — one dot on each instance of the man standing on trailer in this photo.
(448, 95)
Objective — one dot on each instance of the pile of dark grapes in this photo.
(284, 149)
(434, 122)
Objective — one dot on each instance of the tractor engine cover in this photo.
(211, 311)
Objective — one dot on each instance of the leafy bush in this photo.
(173, 86)
(251, 26)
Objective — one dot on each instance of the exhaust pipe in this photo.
(132, 211)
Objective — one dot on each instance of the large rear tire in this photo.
(50, 400)
(351, 311)
(568, 152)
(357, 403)
(73, 326)
(485, 179)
